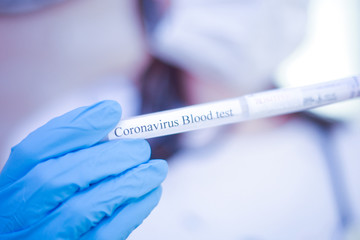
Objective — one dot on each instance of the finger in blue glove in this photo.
(78, 129)
(62, 182)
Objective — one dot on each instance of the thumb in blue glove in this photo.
(62, 182)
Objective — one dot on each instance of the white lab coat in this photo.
(270, 185)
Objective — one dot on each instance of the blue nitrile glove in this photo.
(62, 182)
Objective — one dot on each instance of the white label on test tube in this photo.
(273, 102)
(179, 120)
(331, 92)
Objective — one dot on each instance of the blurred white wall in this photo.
(330, 50)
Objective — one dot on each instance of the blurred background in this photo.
(74, 53)
(47, 66)
(330, 50)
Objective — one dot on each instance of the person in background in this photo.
(287, 177)
(290, 177)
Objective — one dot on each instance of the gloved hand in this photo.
(62, 182)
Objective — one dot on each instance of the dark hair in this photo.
(161, 86)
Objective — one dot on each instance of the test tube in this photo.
(248, 107)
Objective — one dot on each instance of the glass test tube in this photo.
(248, 107)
